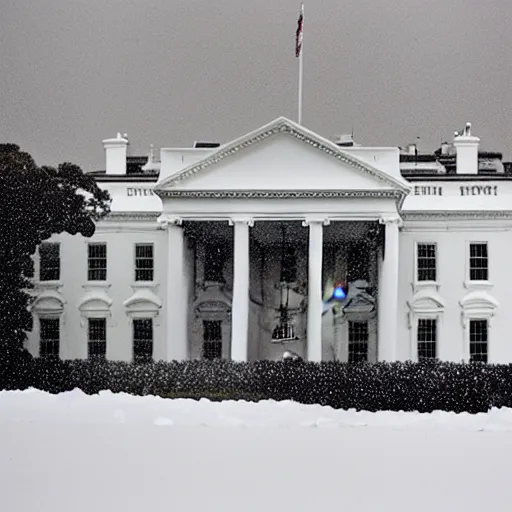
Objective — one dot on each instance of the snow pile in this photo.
(75, 407)
(116, 452)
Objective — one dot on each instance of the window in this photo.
(215, 257)
(427, 338)
(478, 338)
(97, 262)
(212, 339)
(97, 338)
(478, 262)
(49, 261)
(357, 342)
(426, 262)
(49, 337)
(143, 340)
(144, 262)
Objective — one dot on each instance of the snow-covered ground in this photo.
(74, 453)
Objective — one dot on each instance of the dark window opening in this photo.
(49, 337)
(357, 342)
(358, 262)
(97, 338)
(144, 262)
(478, 341)
(478, 262)
(143, 340)
(49, 261)
(215, 258)
(212, 339)
(426, 259)
(427, 338)
(97, 262)
(289, 270)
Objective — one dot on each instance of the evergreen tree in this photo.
(35, 203)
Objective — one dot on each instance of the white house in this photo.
(232, 251)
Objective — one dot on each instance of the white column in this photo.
(176, 333)
(240, 306)
(314, 322)
(388, 292)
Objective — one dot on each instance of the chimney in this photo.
(115, 154)
(466, 146)
(412, 149)
(445, 148)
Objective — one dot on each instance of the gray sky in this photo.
(169, 72)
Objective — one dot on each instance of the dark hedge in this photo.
(423, 387)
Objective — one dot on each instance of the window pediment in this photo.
(212, 310)
(359, 301)
(215, 293)
(426, 301)
(48, 302)
(478, 301)
(213, 303)
(477, 305)
(95, 301)
(143, 302)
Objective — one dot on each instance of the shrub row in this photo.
(406, 386)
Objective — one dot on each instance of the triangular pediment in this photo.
(281, 156)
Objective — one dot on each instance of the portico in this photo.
(279, 175)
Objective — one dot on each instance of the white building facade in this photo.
(234, 250)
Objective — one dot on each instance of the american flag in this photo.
(298, 35)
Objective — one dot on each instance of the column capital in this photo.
(164, 221)
(241, 220)
(391, 219)
(325, 221)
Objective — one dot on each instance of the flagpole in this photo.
(300, 86)
(299, 114)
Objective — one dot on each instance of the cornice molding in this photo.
(281, 125)
(279, 194)
(456, 215)
(130, 216)
(416, 216)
